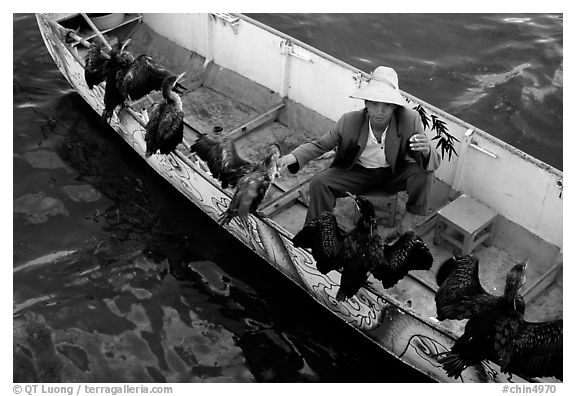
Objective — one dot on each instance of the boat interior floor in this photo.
(252, 116)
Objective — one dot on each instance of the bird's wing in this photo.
(536, 350)
(154, 121)
(235, 167)
(320, 234)
(473, 346)
(325, 239)
(156, 70)
(145, 75)
(236, 160)
(96, 66)
(461, 295)
(112, 96)
(154, 130)
(172, 131)
(168, 119)
(406, 254)
(211, 151)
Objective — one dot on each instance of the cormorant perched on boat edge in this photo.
(362, 250)
(119, 63)
(165, 129)
(96, 64)
(496, 329)
(460, 294)
(225, 164)
(144, 76)
(130, 78)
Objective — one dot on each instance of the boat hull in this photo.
(389, 323)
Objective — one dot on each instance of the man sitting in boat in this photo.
(382, 147)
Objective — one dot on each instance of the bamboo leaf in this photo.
(424, 116)
(445, 141)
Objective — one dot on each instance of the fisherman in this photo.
(382, 147)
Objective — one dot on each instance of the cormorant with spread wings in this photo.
(362, 250)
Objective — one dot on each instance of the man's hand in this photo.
(288, 159)
(419, 142)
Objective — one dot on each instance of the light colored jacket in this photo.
(350, 135)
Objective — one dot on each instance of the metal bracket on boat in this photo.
(234, 21)
(474, 145)
(359, 78)
(560, 185)
(287, 48)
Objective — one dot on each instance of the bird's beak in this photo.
(354, 198)
(179, 88)
(525, 263)
(125, 44)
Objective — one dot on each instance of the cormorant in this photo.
(529, 349)
(361, 251)
(252, 187)
(144, 76)
(165, 129)
(119, 63)
(96, 65)
(408, 253)
(131, 78)
(499, 333)
(226, 165)
(326, 239)
(461, 296)
(496, 329)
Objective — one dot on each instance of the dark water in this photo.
(117, 278)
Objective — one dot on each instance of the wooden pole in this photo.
(78, 39)
(84, 42)
(89, 21)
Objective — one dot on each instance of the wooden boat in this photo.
(261, 86)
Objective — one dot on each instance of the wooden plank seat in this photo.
(465, 223)
(298, 192)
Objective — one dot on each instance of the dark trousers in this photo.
(333, 183)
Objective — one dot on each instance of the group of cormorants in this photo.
(252, 180)
(496, 329)
(130, 78)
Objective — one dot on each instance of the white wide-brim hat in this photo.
(382, 86)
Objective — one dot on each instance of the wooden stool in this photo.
(472, 221)
(386, 205)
